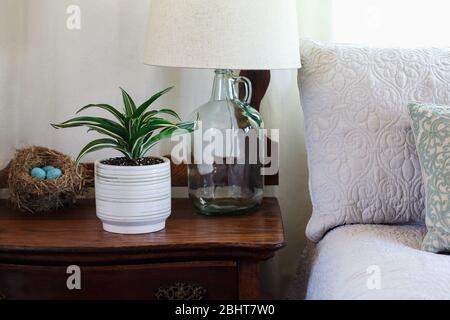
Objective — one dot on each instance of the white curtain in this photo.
(391, 23)
(384, 23)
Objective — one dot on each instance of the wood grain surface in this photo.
(76, 235)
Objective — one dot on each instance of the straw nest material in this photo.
(33, 195)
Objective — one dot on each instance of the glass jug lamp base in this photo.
(229, 182)
(225, 210)
(227, 206)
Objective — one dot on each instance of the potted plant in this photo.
(133, 192)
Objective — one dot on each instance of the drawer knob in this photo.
(181, 291)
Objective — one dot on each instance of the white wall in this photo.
(10, 43)
(47, 72)
(60, 70)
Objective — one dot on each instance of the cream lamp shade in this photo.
(223, 34)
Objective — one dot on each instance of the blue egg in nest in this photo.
(53, 174)
(38, 173)
(29, 194)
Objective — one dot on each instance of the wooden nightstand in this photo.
(195, 257)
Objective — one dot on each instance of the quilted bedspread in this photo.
(373, 262)
(362, 158)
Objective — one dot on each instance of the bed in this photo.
(368, 220)
(345, 265)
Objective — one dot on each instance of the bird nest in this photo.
(33, 195)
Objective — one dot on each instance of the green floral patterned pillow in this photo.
(431, 126)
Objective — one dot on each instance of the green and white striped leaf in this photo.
(150, 101)
(153, 125)
(164, 134)
(167, 133)
(107, 133)
(147, 131)
(149, 115)
(136, 130)
(98, 145)
(119, 116)
(114, 129)
(129, 105)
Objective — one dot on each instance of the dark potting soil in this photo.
(125, 162)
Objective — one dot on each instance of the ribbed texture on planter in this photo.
(133, 200)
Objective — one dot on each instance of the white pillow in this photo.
(361, 152)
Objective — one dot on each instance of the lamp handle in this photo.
(247, 86)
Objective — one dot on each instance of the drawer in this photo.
(213, 280)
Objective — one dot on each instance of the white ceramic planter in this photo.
(133, 200)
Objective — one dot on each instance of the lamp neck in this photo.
(221, 87)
